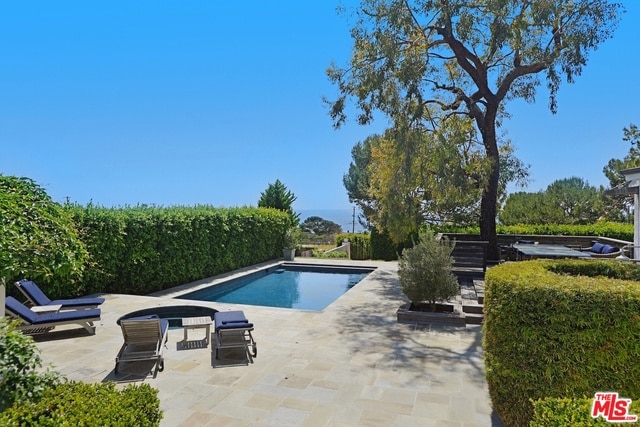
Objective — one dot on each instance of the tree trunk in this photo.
(489, 202)
(488, 213)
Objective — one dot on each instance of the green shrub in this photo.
(38, 239)
(21, 374)
(425, 270)
(574, 412)
(382, 247)
(552, 334)
(360, 244)
(80, 404)
(319, 253)
(139, 250)
(292, 238)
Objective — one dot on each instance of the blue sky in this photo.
(183, 103)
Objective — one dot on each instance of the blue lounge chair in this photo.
(144, 339)
(37, 297)
(38, 323)
(233, 330)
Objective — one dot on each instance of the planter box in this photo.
(289, 254)
(446, 314)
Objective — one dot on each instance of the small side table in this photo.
(196, 323)
(41, 309)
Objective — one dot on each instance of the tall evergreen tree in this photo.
(278, 196)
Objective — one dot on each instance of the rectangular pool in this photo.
(308, 287)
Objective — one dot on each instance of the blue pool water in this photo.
(308, 288)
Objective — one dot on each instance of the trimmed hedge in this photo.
(613, 230)
(563, 412)
(360, 244)
(552, 334)
(382, 247)
(138, 250)
(80, 404)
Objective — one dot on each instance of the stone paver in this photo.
(351, 364)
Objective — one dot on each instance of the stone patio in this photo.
(351, 364)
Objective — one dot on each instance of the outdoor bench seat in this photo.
(603, 250)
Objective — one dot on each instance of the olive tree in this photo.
(425, 270)
(423, 61)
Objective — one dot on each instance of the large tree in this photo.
(320, 226)
(466, 57)
(356, 180)
(407, 178)
(565, 201)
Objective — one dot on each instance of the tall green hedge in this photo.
(382, 247)
(550, 333)
(143, 249)
(360, 244)
(376, 245)
(38, 239)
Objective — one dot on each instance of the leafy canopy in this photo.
(465, 56)
(318, 225)
(402, 180)
(565, 201)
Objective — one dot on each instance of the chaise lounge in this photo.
(35, 323)
(35, 295)
(144, 339)
(233, 330)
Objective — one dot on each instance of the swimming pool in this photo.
(307, 287)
